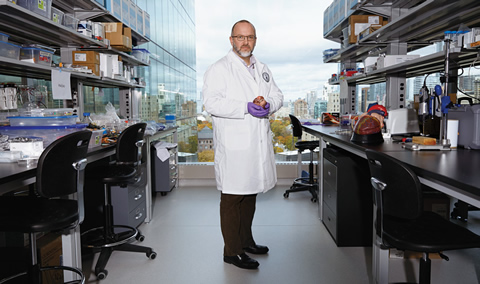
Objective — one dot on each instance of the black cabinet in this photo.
(164, 173)
(347, 198)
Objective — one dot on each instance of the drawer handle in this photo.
(138, 216)
(138, 197)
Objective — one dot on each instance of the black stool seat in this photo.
(303, 183)
(118, 174)
(37, 214)
(306, 145)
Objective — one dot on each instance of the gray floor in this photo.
(186, 235)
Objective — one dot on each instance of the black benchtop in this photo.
(459, 168)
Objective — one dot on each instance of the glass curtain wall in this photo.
(171, 76)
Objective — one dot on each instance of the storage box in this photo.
(126, 12)
(42, 121)
(31, 148)
(468, 126)
(330, 118)
(57, 16)
(94, 67)
(146, 24)
(132, 10)
(358, 23)
(81, 57)
(4, 37)
(41, 7)
(70, 21)
(368, 31)
(106, 63)
(50, 254)
(139, 20)
(142, 55)
(36, 55)
(119, 36)
(9, 50)
(114, 7)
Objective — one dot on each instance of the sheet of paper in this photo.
(61, 89)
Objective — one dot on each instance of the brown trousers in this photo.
(236, 217)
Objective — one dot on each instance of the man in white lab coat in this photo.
(244, 158)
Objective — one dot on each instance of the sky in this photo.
(289, 40)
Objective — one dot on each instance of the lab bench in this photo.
(453, 172)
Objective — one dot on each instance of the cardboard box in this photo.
(81, 57)
(94, 67)
(368, 31)
(120, 36)
(359, 23)
(50, 254)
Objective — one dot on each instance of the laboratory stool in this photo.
(122, 172)
(400, 221)
(305, 181)
(59, 174)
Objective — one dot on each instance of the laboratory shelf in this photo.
(26, 27)
(432, 63)
(19, 68)
(92, 10)
(420, 23)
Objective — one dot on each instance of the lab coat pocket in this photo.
(237, 137)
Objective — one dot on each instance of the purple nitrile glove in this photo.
(257, 110)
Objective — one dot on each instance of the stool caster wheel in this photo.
(102, 275)
(163, 193)
(152, 255)
(140, 238)
(285, 195)
(314, 200)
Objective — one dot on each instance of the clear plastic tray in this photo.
(47, 133)
(36, 55)
(9, 50)
(42, 121)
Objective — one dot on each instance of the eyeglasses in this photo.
(242, 38)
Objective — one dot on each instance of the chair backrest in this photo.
(129, 144)
(57, 174)
(397, 189)
(296, 126)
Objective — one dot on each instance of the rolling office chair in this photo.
(123, 172)
(303, 183)
(59, 174)
(401, 222)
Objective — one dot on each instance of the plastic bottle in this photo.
(86, 118)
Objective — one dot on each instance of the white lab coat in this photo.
(244, 158)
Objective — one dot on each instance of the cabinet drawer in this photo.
(137, 216)
(330, 197)
(136, 196)
(330, 221)
(329, 174)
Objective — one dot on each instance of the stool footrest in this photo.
(97, 239)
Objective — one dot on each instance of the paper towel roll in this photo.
(452, 132)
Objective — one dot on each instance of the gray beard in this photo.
(242, 53)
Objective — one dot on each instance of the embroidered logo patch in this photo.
(266, 77)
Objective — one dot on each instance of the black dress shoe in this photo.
(242, 261)
(256, 249)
